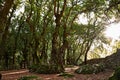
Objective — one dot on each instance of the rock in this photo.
(110, 62)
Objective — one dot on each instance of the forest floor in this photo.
(15, 74)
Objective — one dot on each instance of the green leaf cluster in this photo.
(29, 78)
(90, 69)
(116, 75)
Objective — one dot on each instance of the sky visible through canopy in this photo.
(113, 31)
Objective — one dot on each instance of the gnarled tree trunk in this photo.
(56, 55)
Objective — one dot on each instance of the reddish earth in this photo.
(15, 74)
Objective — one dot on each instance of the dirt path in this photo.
(15, 74)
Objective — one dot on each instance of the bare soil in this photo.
(15, 74)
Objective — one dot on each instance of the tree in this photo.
(50, 34)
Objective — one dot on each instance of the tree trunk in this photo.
(65, 43)
(81, 52)
(35, 56)
(87, 50)
(5, 36)
(44, 54)
(6, 57)
(56, 56)
(4, 11)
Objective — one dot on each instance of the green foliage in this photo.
(67, 75)
(44, 69)
(116, 75)
(33, 67)
(29, 32)
(90, 69)
(29, 78)
(1, 67)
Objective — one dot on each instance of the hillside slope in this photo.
(110, 62)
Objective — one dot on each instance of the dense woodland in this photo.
(51, 32)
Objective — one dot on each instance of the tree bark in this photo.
(56, 56)
(4, 26)
(87, 50)
(3, 17)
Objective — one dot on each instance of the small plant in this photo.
(66, 75)
(28, 78)
(90, 69)
(116, 75)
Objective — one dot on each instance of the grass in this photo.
(66, 75)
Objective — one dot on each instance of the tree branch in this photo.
(63, 8)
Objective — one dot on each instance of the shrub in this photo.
(85, 69)
(44, 69)
(116, 75)
(90, 69)
(28, 78)
(98, 67)
(33, 67)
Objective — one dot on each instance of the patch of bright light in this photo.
(113, 31)
(82, 19)
(21, 10)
